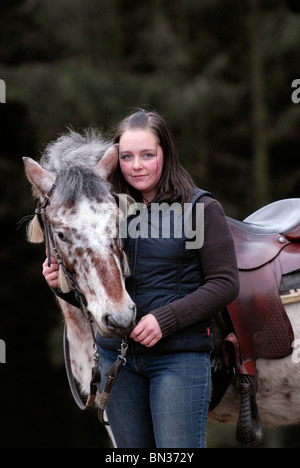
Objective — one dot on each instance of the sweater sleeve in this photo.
(219, 268)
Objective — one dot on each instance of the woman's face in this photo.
(141, 161)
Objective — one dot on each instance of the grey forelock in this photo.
(74, 149)
(72, 158)
(75, 182)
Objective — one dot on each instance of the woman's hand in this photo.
(147, 332)
(51, 273)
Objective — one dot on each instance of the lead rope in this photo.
(111, 377)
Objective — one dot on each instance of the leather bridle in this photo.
(112, 374)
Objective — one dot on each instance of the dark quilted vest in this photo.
(162, 271)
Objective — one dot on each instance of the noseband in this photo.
(112, 374)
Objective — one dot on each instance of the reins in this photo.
(111, 377)
(112, 374)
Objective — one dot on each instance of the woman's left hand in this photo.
(147, 332)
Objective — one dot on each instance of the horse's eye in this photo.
(61, 236)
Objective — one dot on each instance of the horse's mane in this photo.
(71, 158)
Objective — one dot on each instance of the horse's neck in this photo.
(77, 325)
(80, 344)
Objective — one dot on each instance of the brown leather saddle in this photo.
(256, 325)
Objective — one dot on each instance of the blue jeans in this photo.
(159, 401)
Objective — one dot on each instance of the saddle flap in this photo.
(252, 249)
(259, 318)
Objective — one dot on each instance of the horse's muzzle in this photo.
(119, 325)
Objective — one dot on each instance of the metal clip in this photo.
(123, 350)
(96, 355)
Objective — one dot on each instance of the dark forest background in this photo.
(221, 73)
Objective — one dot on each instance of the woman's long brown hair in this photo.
(175, 183)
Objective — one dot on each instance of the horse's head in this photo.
(83, 217)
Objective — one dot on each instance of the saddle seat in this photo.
(282, 217)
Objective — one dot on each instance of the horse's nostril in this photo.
(108, 322)
(114, 325)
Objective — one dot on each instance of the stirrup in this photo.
(249, 429)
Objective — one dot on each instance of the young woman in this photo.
(161, 397)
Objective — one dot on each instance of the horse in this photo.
(81, 217)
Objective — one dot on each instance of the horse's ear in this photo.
(40, 179)
(107, 165)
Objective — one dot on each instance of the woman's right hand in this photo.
(51, 272)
